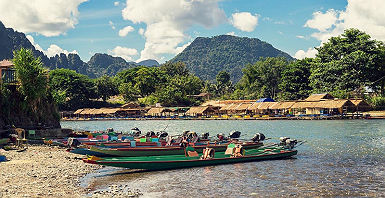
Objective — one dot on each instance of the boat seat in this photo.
(238, 151)
(208, 153)
(192, 154)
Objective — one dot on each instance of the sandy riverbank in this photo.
(42, 171)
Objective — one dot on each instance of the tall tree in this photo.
(262, 78)
(295, 80)
(32, 77)
(348, 62)
(105, 87)
(78, 88)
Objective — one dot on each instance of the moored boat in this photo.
(183, 161)
(165, 150)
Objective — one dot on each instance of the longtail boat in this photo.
(182, 161)
(164, 150)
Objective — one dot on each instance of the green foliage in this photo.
(149, 100)
(128, 91)
(78, 88)
(31, 75)
(378, 102)
(174, 69)
(205, 57)
(106, 87)
(262, 78)
(295, 80)
(177, 89)
(349, 62)
(146, 80)
(223, 86)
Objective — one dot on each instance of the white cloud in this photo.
(112, 25)
(32, 40)
(125, 53)
(300, 37)
(322, 21)
(116, 3)
(310, 53)
(244, 21)
(231, 33)
(168, 20)
(123, 32)
(141, 31)
(49, 18)
(365, 15)
(52, 50)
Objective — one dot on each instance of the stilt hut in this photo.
(360, 105)
(201, 111)
(156, 111)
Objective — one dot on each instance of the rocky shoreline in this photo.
(43, 171)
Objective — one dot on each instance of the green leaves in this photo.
(30, 74)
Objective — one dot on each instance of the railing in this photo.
(9, 76)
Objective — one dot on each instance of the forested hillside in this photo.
(206, 57)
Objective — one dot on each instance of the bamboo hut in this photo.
(361, 105)
(262, 107)
(242, 108)
(284, 107)
(201, 111)
(327, 107)
(319, 97)
(156, 111)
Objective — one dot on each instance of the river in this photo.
(339, 158)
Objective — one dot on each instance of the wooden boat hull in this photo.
(86, 151)
(176, 162)
(157, 151)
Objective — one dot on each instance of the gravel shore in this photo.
(43, 171)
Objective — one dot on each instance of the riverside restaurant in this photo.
(313, 107)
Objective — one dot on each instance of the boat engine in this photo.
(287, 142)
(235, 134)
(135, 131)
(220, 136)
(258, 137)
(205, 136)
(161, 134)
(73, 142)
(150, 134)
(110, 130)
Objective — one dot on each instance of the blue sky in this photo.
(159, 29)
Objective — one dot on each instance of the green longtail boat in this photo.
(164, 150)
(182, 161)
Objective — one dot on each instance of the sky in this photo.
(159, 29)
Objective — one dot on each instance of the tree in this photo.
(173, 69)
(147, 79)
(294, 83)
(177, 89)
(349, 62)
(78, 88)
(223, 85)
(105, 87)
(32, 77)
(128, 91)
(262, 78)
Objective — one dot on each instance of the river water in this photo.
(339, 158)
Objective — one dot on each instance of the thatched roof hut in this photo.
(318, 97)
(283, 105)
(361, 105)
(156, 111)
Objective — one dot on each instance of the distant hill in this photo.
(205, 57)
(98, 65)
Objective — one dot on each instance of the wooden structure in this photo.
(202, 111)
(7, 72)
(361, 105)
(319, 97)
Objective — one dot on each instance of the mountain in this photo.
(205, 57)
(149, 63)
(98, 65)
(12, 40)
